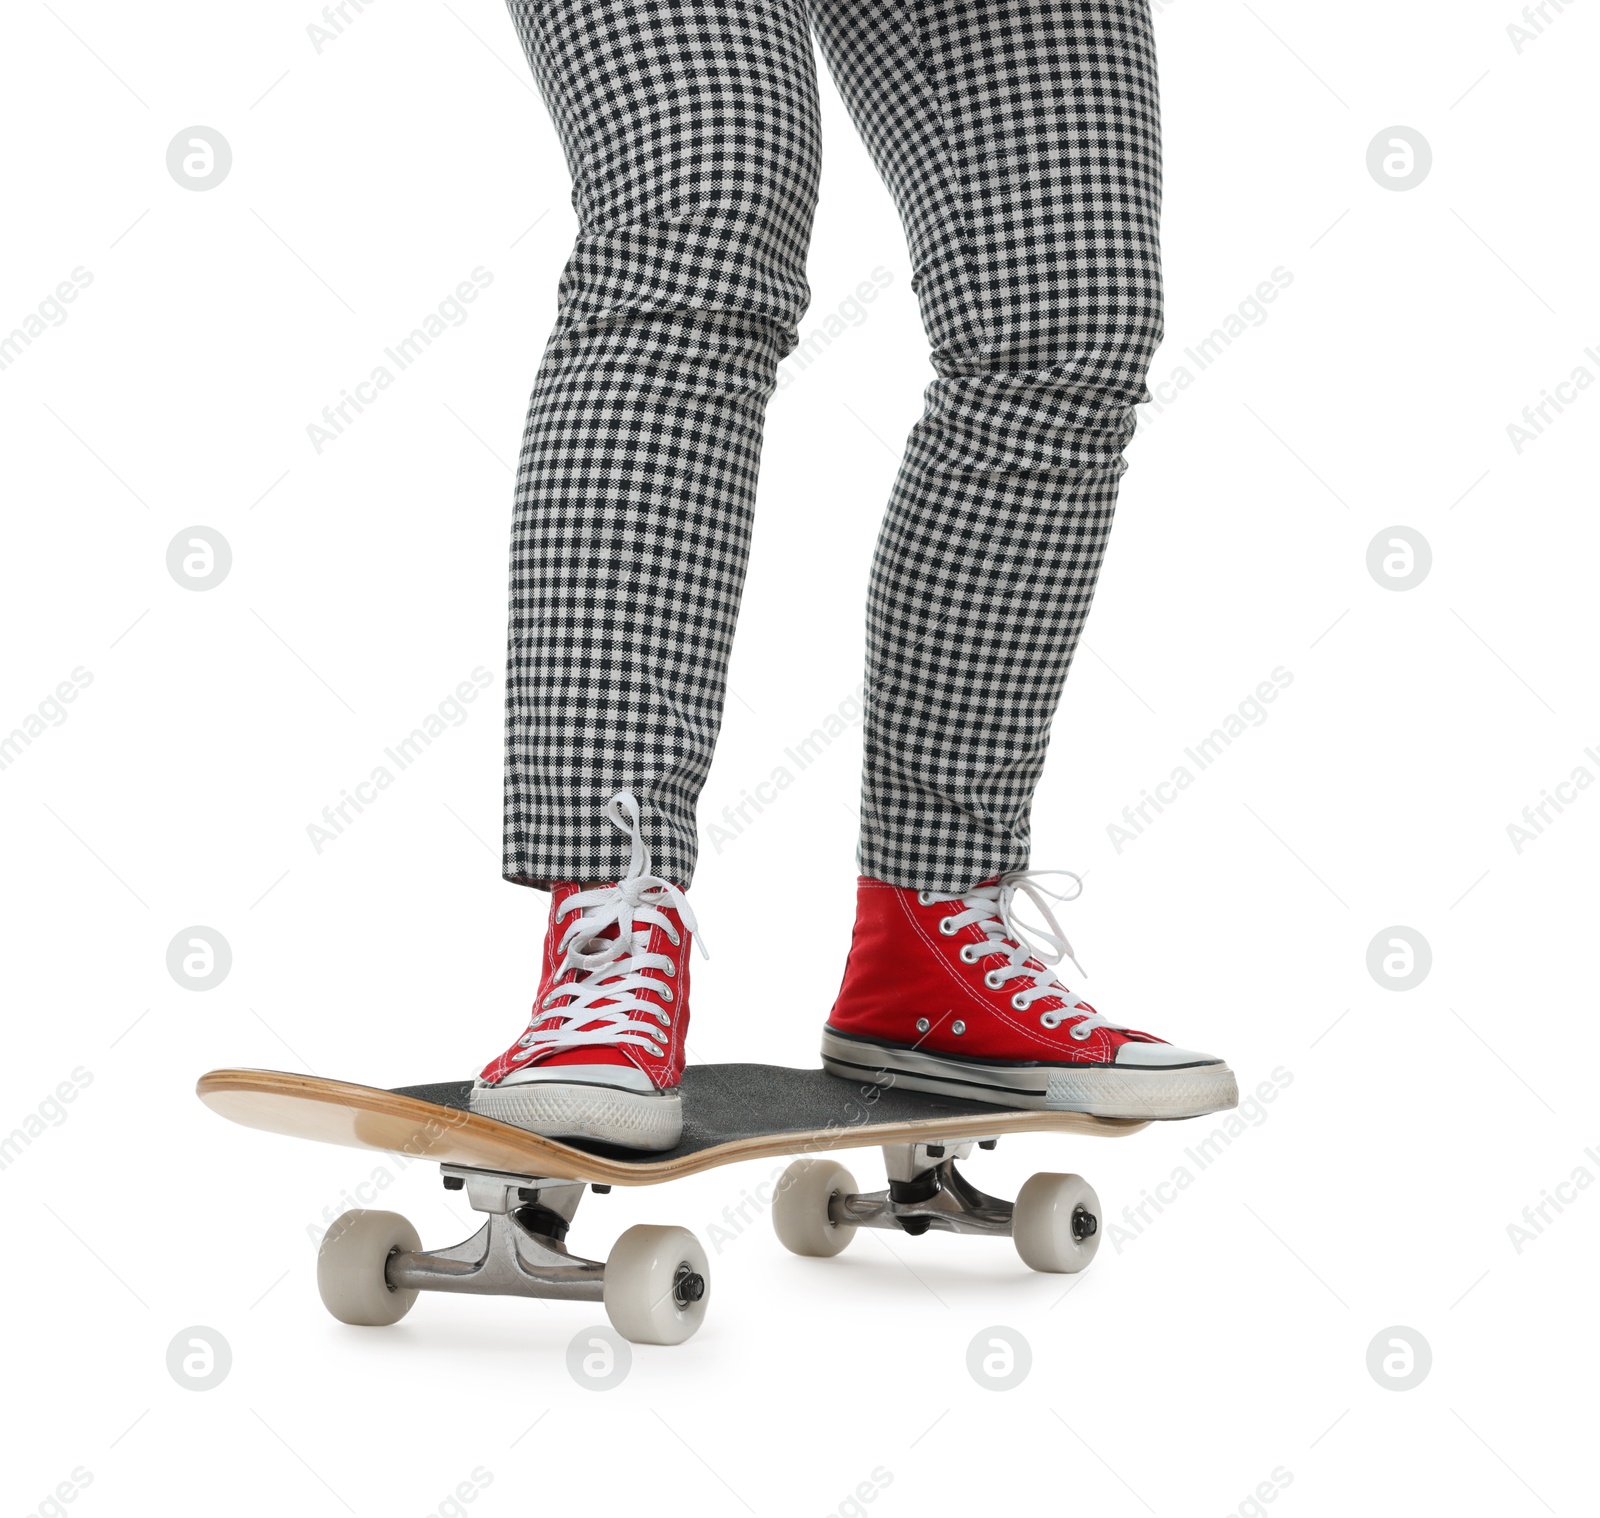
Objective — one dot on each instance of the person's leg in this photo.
(1021, 142)
(691, 131)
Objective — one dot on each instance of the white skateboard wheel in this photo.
(1055, 1223)
(350, 1267)
(657, 1284)
(800, 1208)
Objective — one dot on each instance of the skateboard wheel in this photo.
(657, 1284)
(350, 1267)
(1055, 1223)
(800, 1208)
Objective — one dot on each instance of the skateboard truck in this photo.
(1054, 1222)
(654, 1283)
(518, 1252)
(925, 1191)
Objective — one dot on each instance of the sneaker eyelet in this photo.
(992, 981)
(924, 898)
(672, 970)
(1079, 1034)
(969, 954)
(923, 1025)
(1019, 1003)
(947, 926)
(665, 993)
(958, 1027)
(673, 938)
(1051, 1020)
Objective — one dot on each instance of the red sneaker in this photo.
(945, 992)
(603, 1052)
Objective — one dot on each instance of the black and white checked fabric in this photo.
(1021, 145)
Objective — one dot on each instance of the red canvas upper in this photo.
(654, 987)
(902, 968)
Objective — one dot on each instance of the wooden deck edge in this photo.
(271, 1100)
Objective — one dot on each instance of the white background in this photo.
(1212, 1344)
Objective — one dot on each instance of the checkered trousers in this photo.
(1021, 144)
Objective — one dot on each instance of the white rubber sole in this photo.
(571, 1110)
(1130, 1091)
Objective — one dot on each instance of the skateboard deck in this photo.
(730, 1113)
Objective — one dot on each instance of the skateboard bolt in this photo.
(987, 1143)
(1084, 1224)
(689, 1287)
(935, 1151)
(454, 1182)
(599, 1190)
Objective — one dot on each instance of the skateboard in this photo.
(655, 1283)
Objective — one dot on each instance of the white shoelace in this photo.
(992, 909)
(616, 969)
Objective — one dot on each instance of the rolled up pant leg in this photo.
(1021, 143)
(691, 131)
